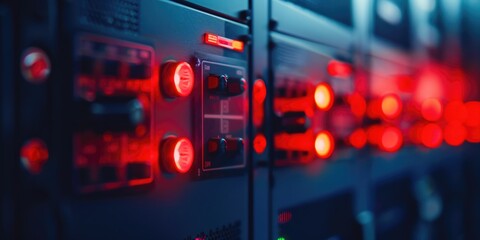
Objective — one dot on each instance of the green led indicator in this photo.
(281, 238)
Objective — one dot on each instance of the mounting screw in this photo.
(273, 24)
(245, 15)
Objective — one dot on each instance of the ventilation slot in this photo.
(226, 232)
(121, 15)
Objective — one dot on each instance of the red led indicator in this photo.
(35, 65)
(259, 95)
(324, 96)
(34, 154)
(432, 109)
(473, 135)
(178, 154)
(324, 144)
(284, 217)
(339, 69)
(455, 134)
(391, 139)
(178, 79)
(431, 135)
(455, 111)
(391, 106)
(358, 138)
(215, 40)
(358, 105)
(473, 117)
(259, 143)
(259, 91)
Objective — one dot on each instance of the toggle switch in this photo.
(234, 146)
(216, 146)
(223, 85)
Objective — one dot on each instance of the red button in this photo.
(178, 79)
(178, 154)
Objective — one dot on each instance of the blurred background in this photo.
(240, 119)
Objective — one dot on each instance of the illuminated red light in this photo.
(431, 109)
(224, 42)
(259, 143)
(35, 65)
(178, 79)
(178, 154)
(391, 139)
(455, 112)
(391, 106)
(358, 105)
(339, 69)
(34, 154)
(431, 135)
(473, 135)
(259, 91)
(259, 95)
(284, 217)
(455, 134)
(324, 144)
(324, 96)
(473, 117)
(358, 138)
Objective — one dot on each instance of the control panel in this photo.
(224, 115)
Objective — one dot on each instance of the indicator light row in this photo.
(388, 122)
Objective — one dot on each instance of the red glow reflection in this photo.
(430, 85)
